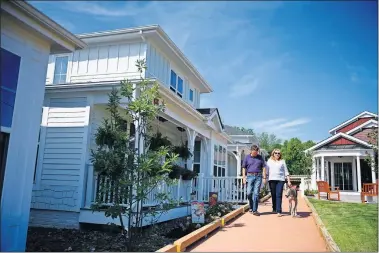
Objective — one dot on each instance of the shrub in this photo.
(217, 211)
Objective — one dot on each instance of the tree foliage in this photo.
(127, 172)
(269, 141)
(373, 140)
(298, 162)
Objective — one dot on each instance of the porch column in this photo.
(191, 136)
(313, 175)
(373, 169)
(332, 177)
(322, 168)
(359, 173)
(238, 157)
(354, 175)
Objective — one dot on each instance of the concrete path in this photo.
(267, 232)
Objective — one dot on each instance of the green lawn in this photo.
(353, 226)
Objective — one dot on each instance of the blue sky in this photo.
(295, 69)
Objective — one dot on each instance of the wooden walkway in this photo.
(267, 232)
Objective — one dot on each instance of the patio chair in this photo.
(323, 186)
(369, 189)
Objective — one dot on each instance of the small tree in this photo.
(373, 140)
(127, 172)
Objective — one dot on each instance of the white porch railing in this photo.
(228, 189)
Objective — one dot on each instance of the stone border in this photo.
(181, 244)
(330, 243)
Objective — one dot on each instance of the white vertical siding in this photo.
(102, 63)
(157, 65)
(62, 155)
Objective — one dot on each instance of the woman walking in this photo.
(277, 174)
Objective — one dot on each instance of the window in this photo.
(10, 66)
(197, 156)
(60, 71)
(191, 95)
(4, 141)
(176, 84)
(173, 81)
(180, 87)
(219, 167)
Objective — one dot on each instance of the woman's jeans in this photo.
(276, 188)
(254, 182)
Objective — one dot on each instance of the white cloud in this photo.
(281, 127)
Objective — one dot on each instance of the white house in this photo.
(77, 85)
(340, 159)
(238, 149)
(28, 37)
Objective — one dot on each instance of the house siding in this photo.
(342, 141)
(362, 135)
(354, 125)
(101, 63)
(54, 219)
(157, 65)
(62, 152)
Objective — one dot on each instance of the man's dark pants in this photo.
(276, 188)
(254, 182)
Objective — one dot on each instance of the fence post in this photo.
(200, 187)
(302, 186)
(178, 189)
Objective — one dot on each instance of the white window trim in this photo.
(69, 67)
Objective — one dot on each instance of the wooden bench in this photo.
(323, 186)
(369, 189)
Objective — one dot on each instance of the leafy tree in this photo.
(373, 140)
(269, 141)
(127, 172)
(298, 162)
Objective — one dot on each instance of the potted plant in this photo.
(182, 151)
(158, 141)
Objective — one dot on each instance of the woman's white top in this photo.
(277, 170)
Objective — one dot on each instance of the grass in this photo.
(353, 226)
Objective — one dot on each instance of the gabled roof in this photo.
(367, 124)
(209, 113)
(364, 114)
(335, 137)
(156, 32)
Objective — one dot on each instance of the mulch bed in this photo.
(59, 240)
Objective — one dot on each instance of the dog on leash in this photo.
(292, 199)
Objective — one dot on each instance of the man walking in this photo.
(254, 170)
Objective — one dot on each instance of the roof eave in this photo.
(180, 54)
(48, 23)
(350, 120)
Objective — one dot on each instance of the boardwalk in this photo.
(267, 233)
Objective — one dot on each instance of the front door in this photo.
(343, 176)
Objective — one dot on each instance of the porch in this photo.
(347, 170)
(228, 189)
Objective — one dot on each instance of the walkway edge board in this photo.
(181, 244)
(330, 243)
